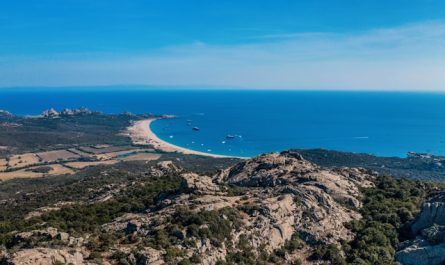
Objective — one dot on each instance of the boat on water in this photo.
(195, 128)
(229, 136)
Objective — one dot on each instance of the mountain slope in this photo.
(272, 209)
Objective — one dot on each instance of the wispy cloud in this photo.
(409, 57)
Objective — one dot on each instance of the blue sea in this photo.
(381, 123)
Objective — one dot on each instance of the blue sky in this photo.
(350, 44)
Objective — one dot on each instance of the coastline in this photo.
(141, 134)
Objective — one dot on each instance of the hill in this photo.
(272, 209)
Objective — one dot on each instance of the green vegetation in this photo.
(83, 217)
(246, 256)
(329, 253)
(422, 168)
(183, 225)
(36, 134)
(42, 169)
(387, 210)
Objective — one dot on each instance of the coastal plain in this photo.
(131, 140)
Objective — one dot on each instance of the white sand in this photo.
(140, 133)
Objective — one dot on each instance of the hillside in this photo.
(272, 209)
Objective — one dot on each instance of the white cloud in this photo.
(411, 57)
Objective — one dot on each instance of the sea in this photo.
(250, 122)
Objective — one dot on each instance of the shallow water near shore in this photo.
(386, 124)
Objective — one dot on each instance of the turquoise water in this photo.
(388, 124)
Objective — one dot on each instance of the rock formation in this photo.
(267, 200)
(46, 256)
(79, 111)
(71, 253)
(324, 199)
(52, 113)
(428, 248)
(283, 195)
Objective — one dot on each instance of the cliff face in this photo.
(428, 248)
(254, 208)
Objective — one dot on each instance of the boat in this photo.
(195, 128)
(229, 136)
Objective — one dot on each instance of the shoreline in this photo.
(141, 134)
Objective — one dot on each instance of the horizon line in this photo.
(209, 88)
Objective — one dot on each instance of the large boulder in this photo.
(428, 248)
(196, 184)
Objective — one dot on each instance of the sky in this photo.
(275, 44)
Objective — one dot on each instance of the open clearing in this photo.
(56, 169)
(68, 161)
(135, 157)
(23, 160)
(52, 156)
(142, 156)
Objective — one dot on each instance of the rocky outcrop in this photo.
(196, 184)
(324, 199)
(46, 256)
(50, 113)
(68, 251)
(258, 204)
(428, 248)
(164, 168)
(433, 212)
(150, 256)
(282, 195)
(79, 111)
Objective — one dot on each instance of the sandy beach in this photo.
(141, 134)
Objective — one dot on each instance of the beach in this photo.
(141, 134)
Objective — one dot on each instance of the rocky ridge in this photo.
(282, 195)
(52, 113)
(256, 207)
